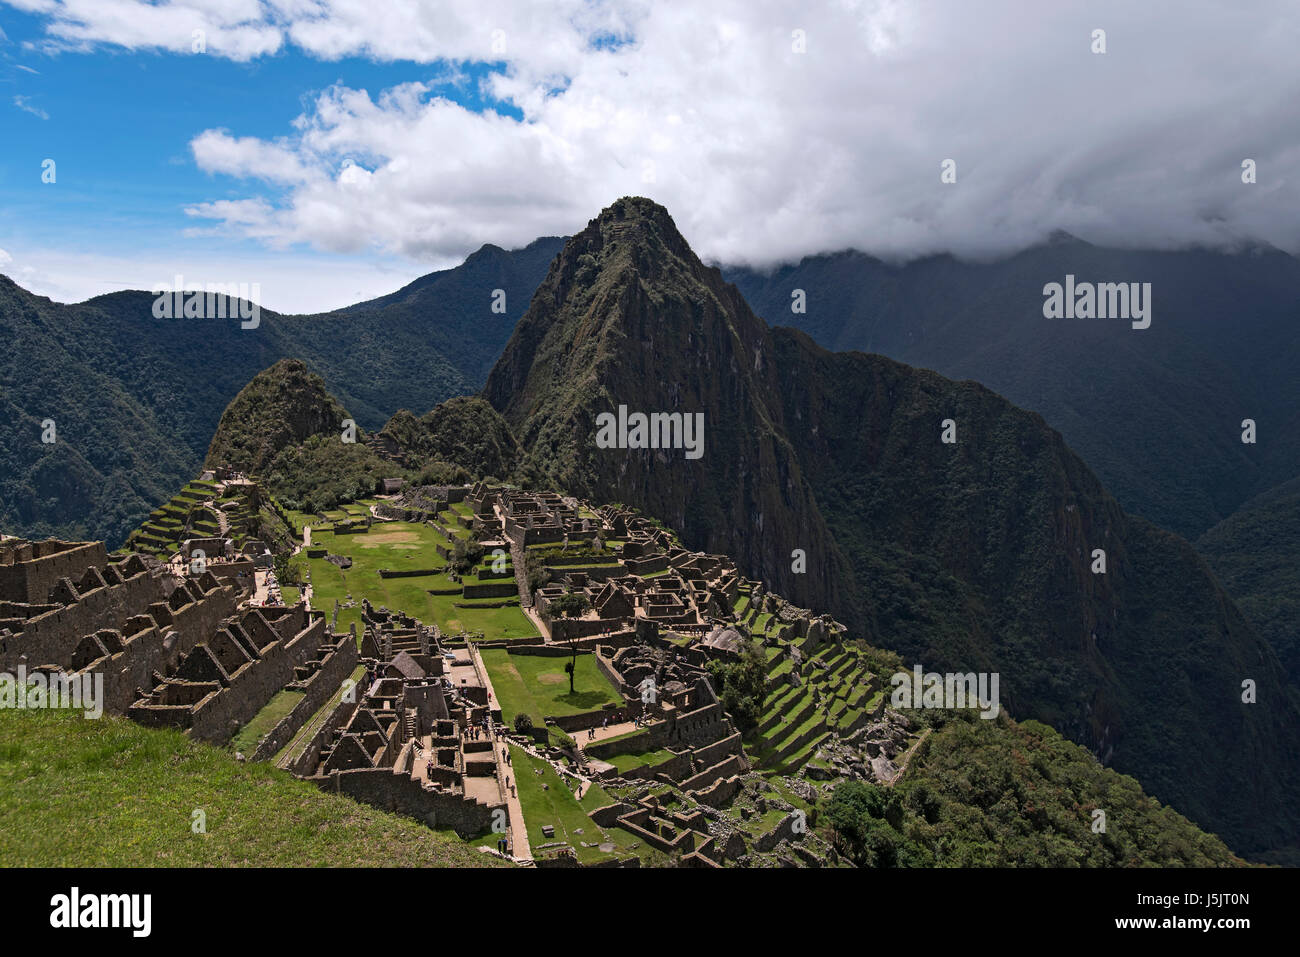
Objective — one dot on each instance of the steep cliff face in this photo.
(981, 555)
(629, 316)
(280, 407)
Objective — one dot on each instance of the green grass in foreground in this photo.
(110, 793)
(539, 687)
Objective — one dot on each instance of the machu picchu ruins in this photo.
(426, 716)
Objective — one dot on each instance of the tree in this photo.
(742, 684)
(465, 555)
(868, 820)
(286, 572)
(536, 571)
(571, 605)
(523, 723)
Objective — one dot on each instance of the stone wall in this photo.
(129, 657)
(720, 792)
(563, 629)
(491, 590)
(304, 763)
(409, 573)
(326, 682)
(675, 768)
(729, 766)
(585, 720)
(396, 792)
(221, 711)
(29, 570)
(712, 753)
(51, 637)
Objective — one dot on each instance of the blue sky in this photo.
(119, 124)
(332, 150)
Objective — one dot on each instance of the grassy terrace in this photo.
(539, 687)
(397, 545)
(261, 724)
(638, 759)
(129, 793)
(546, 799)
(313, 724)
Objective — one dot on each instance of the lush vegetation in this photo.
(128, 795)
(323, 473)
(1256, 554)
(997, 793)
(136, 400)
(742, 684)
(465, 430)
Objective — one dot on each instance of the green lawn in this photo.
(627, 762)
(546, 799)
(110, 793)
(398, 545)
(539, 686)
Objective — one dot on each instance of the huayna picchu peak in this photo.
(932, 517)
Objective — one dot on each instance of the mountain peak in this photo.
(280, 406)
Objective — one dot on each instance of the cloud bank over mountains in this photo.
(770, 130)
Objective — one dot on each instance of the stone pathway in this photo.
(518, 831)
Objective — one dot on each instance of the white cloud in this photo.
(24, 103)
(5, 258)
(761, 153)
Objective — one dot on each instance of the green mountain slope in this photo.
(979, 556)
(1256, 554)
(1155, 412)
(464, 430)
(628, 315)
(136, 399)
(973, 556)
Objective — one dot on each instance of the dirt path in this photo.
(603, 734)
(907, 758)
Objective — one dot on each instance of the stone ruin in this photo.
(404, 742)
